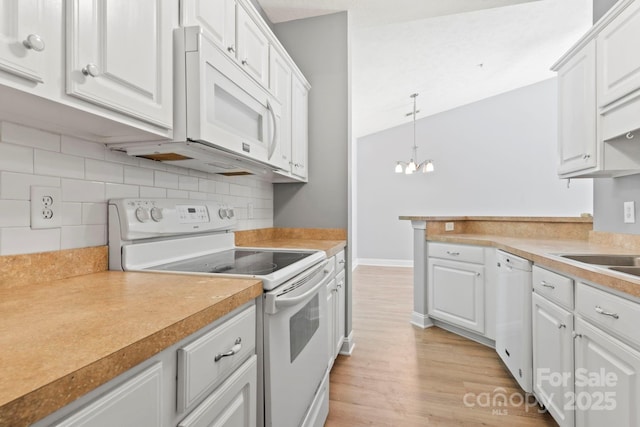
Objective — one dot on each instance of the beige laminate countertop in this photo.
(331, 247)
(544, 252)
(61, 339)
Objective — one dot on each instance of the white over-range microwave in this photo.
(224, 121)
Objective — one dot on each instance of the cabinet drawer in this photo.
(465, 253)
(232, 404)
(554, 286)
(198, 369)
(340, 261)
(611, 312)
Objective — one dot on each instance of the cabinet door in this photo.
(216, 18)
(135, 403)
(456, 293)
(553, 358)
(577, 144)
(619, 56)
(607, 379)
(233, 404)
(331, 322)
(253, 47)
(280, 86)
(299, 130)
(23, 38)
(340, 312)
(119, 61)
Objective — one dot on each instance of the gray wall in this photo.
(609, 194)
(319, 46)
(600, 7)
(497, 156)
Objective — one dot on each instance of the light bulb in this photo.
(398, 168)
(411, 167)
(428, 167)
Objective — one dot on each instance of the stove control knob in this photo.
(230, 213)
(222, 212)
(142, 214)
(156, 214)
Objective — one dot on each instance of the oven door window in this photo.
(303, 325)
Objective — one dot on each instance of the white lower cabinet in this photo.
(137, 402)
(214, 382)
(456, 285)
(233, 404)
(336, 305)
(553, 358)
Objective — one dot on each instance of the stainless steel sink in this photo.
(607, 260)
(628, 270)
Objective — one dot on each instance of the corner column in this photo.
(419, 316)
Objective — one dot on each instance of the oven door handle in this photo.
(283, 301)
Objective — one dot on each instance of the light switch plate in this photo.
(629, 212)
(46, 207)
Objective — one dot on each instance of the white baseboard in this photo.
(421, 320)
(385, 262)
(347, 345)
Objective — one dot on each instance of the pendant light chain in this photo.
(414, 165)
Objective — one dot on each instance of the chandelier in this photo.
(413, 165)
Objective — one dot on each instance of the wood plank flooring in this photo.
(402, 375)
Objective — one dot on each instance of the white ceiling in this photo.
(452, 52)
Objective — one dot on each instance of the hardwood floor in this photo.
(402, 375)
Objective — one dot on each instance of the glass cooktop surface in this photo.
(237, 261)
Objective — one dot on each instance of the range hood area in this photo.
(226, 120)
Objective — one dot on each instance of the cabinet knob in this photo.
(231, 49)
(34, 42)
(562, 325)
(244, 62)
(91, 70)
(586, 156)
(629, 135)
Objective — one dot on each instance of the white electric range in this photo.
(196, 237)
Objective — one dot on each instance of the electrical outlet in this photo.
(629, 212)
(46, 207)
(448, 226)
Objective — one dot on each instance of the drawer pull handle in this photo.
(341, 261)
(235, 349)
(599, 310)
(576, 335)
(562, 325)
(547, 285)
(453, 253)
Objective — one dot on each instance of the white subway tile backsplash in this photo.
(153, 192)
(120, 157)
(82, 148)
(71, 213)
(138, 176)
(16, 158)
(97, 170)
(166, 180)
(89, 174)
(22, 135)
(94, 213)
(117, 191)
(57, 164)
(15, 213)
(188, 183)
(24, 240)
(17, 186)
(82, 236)
(177, 194)
(75, 190)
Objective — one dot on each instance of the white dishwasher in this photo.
(513, 317)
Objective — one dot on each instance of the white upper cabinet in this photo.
(119, 56)
(24, 37)
(576, 112)
(252, 47)
(299, 128)
(619, 56)
(280, 86)
(599, 98)
(217, 19)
